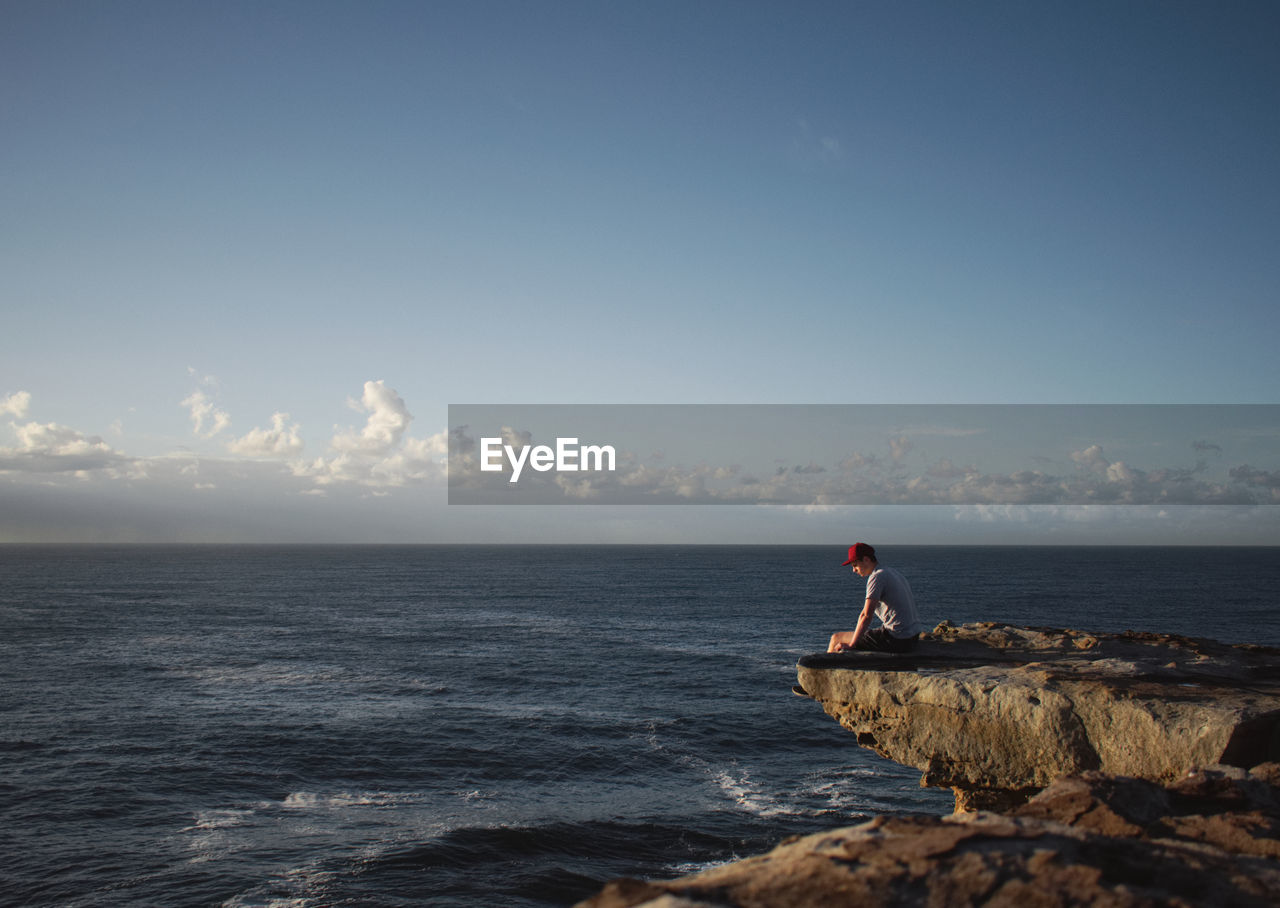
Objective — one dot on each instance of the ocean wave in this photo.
(554, 863)
(306, 886)
(305, 800)
(542, 864)
(280, 673)
(216, 834)
(218, 819)
(19, 746)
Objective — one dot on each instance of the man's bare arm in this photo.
(864, 621)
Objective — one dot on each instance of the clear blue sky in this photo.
(218, 212)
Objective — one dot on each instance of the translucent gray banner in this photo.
(1193, 454)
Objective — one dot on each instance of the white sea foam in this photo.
(213, 837)
(305, 800)
(691, 867)
(750, 797)
(840, 789)
(218, 819)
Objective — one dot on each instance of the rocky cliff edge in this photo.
(998, 712)
(1131, 769)
(1210, 839)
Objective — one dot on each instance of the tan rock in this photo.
(991, 709)
(1091, 840)
(1112, 727)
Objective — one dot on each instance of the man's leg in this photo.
(840, 638)
(879, 640)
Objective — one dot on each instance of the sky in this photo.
(251, 253)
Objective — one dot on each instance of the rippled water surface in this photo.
(477, 725)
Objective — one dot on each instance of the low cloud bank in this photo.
(52, 448)
(379, 454)
(1088, 477)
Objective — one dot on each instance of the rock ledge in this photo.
(998, 712)
(1210, 839)
(1091, 744)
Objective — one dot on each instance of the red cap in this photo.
(859, 551)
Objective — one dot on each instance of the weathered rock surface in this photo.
(1206, 840)
(1109, 729)
(998, 712)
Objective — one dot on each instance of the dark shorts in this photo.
(879, 640)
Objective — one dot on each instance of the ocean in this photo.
(478, 725)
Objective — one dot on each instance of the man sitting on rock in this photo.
(889, 599)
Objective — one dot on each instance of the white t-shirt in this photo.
(896, 606)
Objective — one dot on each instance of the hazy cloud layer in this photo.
(379, 454)
(55, 478)
(861, 478)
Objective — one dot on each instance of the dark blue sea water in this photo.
(383, 726)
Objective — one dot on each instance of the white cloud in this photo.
(1091, 458)
(1120, 472)
(203, 411)
(858, 461)
(281, 440)
(379, 455)
(51, 448)
(16, 404)
(418, 460)
(388, 419)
